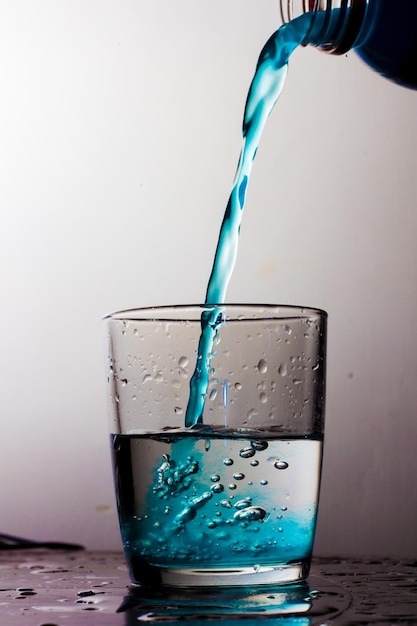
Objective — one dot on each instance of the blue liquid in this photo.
(192, 501)
(264, 91)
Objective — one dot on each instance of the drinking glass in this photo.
(226, 496)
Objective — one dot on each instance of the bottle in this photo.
(382, 32)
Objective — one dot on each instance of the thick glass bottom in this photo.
(223, 577)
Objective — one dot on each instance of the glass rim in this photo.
(192, 312)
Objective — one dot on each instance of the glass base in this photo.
(219, 602)
(235, 577)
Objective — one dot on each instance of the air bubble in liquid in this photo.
(251, 514)
(281, 465)
(244, 504)
(247, 453)
(259, 445)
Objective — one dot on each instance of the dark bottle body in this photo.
(382, 32)
(388, 40)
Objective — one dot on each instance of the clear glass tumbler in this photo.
(231, 499)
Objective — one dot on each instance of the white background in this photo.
(119, 137)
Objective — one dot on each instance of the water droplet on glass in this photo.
(254, 463)
(217, 488)
(146, 378)
(238, 476)
(288, 330)
(232, 486)
(284, 508)
(262, 366)
(297, 381)
(282, 370)
(281, 465)
(226, 504)
(214, 478)
(213, 394)
(263, 482)
(263, 398)
(178, 410)
(225, 393)
(238, 386)
(183, 361)
(246, 453)
(124, 382)
(212, 524)
(228, 461)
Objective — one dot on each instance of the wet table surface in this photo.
(62, 588)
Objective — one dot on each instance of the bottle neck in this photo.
(336, 25)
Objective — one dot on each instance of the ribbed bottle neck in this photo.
(340, 25)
